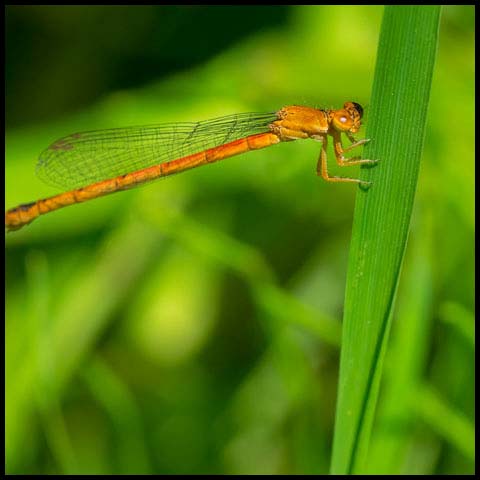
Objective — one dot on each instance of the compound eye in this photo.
(342, 120)
(358, 108)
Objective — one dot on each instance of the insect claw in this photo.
(369, 163)
(365, 185)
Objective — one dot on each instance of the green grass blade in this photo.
(397, 118)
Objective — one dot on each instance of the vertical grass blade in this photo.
(397, 119)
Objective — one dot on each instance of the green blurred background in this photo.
(193, 325)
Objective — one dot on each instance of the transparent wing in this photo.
(88, 157)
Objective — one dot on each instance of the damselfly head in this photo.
(349, 118)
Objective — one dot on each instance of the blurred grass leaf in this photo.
(452, 425)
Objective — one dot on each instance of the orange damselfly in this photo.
(97, 163)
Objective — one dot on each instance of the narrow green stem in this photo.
(397, 120)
